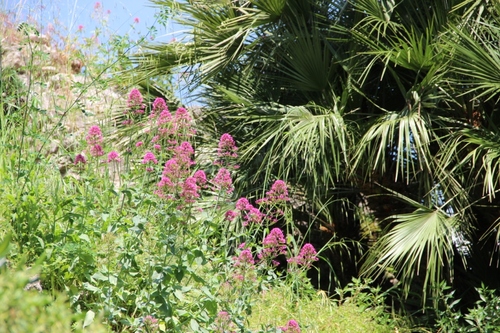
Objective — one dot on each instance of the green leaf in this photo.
(89, 318)
(194, 325)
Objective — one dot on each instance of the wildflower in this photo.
(96, 150)
(227, 146)
(245, 259)
(80, 27)
(223, 181)
(164, 117)
(223, 323)
(139, 143)
(136, 20)
(184, 150)
(230, 215)
(252, 215)
(113, 157)
(181, 123)
(94, 135)
(97, 5)
(135, 100)
(306, 256)
(274, 244)
(291, 327)
(80, 159)
(149, 157)
(201, 177)
(242, 204)
(190, 190)
(159, 105)
(150, 323)
(157, 147)
(277, 194)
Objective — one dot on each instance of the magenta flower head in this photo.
(242, 204)
(245, 259)
(223, 181)
(291, 327)
(223, 323)
(190, 190)
(306, 257)
(96, 150)
(149, 157)
(227, 146)
(159, 105)
(277, 194)
(94, 136)
(80, 159)
(230, 215)
(274, 244)
(113, 157)
(135, 99)
(201, 177)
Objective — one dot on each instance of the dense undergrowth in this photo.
(142, 232)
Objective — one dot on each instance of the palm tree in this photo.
(348, 100)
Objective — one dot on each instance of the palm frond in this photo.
(419, 244)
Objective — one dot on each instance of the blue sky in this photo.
(120, 17)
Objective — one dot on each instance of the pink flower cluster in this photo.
(273, 245)
(291, 327)
(113, 156)
(277, 194)
(226, 152)
(222, 182)
(247, 211)
(306, 257)
(94, 141)
(223, 323)
(150, 323)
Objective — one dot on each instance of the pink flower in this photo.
(201, 177)
(190, 190)
(291, 327)
(113, 157)
(96, 150)
(97, 5)
(227, 146)
(136, 20)
(223, 181)
(306, 257)
(274, 244)
(94, 135)
(165, 117)
(253, 215)
(159, 105)
(277, 194)
(150, 323)
(80, 27)
(245, 259)
(139, 143)
(157, 147)
(80, 159)
(135, 99)
(242, 204)
(230, 215)
(223, 323)
(149, 157)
